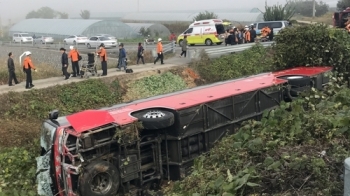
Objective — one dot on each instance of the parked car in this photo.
(22, 38)
(276, 25)
(107, 35)
(43, 40)
(95, 41)
(75, 39)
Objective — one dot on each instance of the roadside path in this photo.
(49, 82)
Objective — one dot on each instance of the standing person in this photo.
(64, 60)
(11, 67)
(184, 46)
(247, 36)
(27, 68)
(227, 34)
(252, 34)
(140, 54)
(103, 56)
(122, 57)
(74, 56)
(159, 52)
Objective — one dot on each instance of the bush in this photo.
(17, 170)
(21, 113)
(156, 85)
(312, 45)
(293, 150)
(252, 61)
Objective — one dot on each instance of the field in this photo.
(327, 18)
(48, 62)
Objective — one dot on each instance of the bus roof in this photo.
(121, 114)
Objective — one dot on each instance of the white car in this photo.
(43, 40)
(22, 38)
(96, 41)
(76, 39)
(107, 35)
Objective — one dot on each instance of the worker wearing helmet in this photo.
(74, 56)
(103, 57)
(159, 52)
(27, 68)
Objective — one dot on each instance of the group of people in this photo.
(235, 36)
(75, 57)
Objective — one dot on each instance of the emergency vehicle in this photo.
(206, 32)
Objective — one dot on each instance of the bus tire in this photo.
(99, 178)
(298, 81)
(155, 119)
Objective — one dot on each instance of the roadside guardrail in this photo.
(215, 52)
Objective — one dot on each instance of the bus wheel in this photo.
(99, 178)
(155, 119)
(298, 81)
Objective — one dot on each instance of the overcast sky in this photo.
(16, 10)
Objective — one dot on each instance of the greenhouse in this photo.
(155, 29)
(62, 28)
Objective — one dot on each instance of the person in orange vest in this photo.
(159, 52)
(27, 68)
(74, 56)
(265, 31)
(247, 36)
(103, 56)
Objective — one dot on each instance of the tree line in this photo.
(49, 13)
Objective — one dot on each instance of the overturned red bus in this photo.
(131, 147)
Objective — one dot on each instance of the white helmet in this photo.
(159, 39)
(28, 53)
(71, 47)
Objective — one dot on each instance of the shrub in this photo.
(156, 85)
(312, 45)
(293, 150)
(252, 61)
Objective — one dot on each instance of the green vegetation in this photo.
(205, 15)
(278, 12)
(293, 150)
(253, 61)
(85, 14)
(343, 4)
(46, 13)
(156, 85)
(312, 45)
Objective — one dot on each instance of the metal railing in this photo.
(212, 52)
(170, 47)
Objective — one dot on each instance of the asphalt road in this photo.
(84, 49)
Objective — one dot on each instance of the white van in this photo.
(22, 38)
(276, 25)
(206, 32)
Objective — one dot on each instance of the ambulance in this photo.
(206, 32)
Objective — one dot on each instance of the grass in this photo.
(327, 18)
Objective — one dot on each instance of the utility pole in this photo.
(313, 8)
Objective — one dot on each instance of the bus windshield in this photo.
(47, 134)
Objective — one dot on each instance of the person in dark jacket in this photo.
(271, 34)
(252, 34)
(184, 47)
(64, 61)
(122, 58)
(140, 54)
(11, 67)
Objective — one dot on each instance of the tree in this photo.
(145, 32)
(47, 13)
(278, 12)
(304, 7)
(343, 4)
(62, 15)
(85, 14)
(205, 15)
